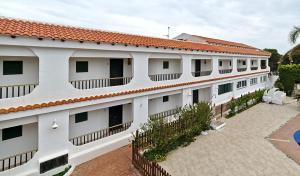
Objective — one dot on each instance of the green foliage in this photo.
(165, 137)
(274, 59)
(289, 75)
(63, 172)
(244, 102)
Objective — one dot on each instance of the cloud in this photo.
(264, 24)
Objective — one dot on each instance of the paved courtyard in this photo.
(240, 149)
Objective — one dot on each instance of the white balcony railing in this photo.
(254, 68)
(98, 83)
(16, 160)
(16, 90)
(201, 73)
(164, 77)
(225, 71)
(90, 137)
(164, 113)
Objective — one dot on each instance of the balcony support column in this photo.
(215, 66)
(53, 69)
(248, 64)
(234, 66)
(187, 97)
(139, 111)
(258, 63)
(186, 65)
(140, 69)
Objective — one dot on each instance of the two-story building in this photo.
(69, 94)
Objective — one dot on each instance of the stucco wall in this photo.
(27, 142)
(225, 64)
(30, 71)
(205, 65)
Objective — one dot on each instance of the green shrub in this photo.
(62, 173)
(288, 75)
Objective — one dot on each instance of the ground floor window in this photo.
(224, 88)
(263, 79)
(81, 117)
(241, 84)
(253, 81)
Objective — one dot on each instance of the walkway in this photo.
(115, 163)
(240, 149)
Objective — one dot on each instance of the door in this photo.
(197, 68)
(116, 72)
(115, 117)
(195, 96)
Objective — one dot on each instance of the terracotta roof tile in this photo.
(81, 99)
(14, 27)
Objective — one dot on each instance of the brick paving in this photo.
(240, 149)
(283, 139)
(115, 163)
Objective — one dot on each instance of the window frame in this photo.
(224, 88)
(166, 65)
(14, 71)
(81, 117)
(9, 133)
(79, 69)
(165, 98)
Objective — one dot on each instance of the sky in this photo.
(259, 23)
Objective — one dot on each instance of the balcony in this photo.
(165, 77)
(19, 76)
(16, 160)
(96, 124)
(91, 73)
(93, 136)
(99, 83)
(164, 69)
(225, 71)
(201, 73)
(254, 68)
(241, 69)
(16, 90)
(263, 67)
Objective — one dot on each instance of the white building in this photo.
(68, 95)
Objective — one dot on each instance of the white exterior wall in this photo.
(25, 143)
(205, 94)
(30, 71)
(156, 105)
(97, 68)
(240, 63)
(156, 66)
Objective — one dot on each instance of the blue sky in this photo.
(264, 24)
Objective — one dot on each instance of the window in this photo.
(263, 79)
(165, 98)
(224, 88)
(204, 61)
(253, 81)
(82, 66)
(220, 63)
(165, 64)
(241, 84)
(81, 117)
(244, 62)
(12, 67)
(229, 63)
(12, 132)
(252, 62)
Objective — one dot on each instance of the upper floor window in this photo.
(253, 81)
(81, 117)
(220, 63)
(165, 64)
(241, 84)
(224, 88)
(12, 132)
(252, 62)
(229, 63)
(82, 66)
(244, 62)
(12, 67)
(165, 98)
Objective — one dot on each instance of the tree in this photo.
(293, 55)
(274, 59)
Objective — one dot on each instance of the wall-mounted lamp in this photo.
(54, 124)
